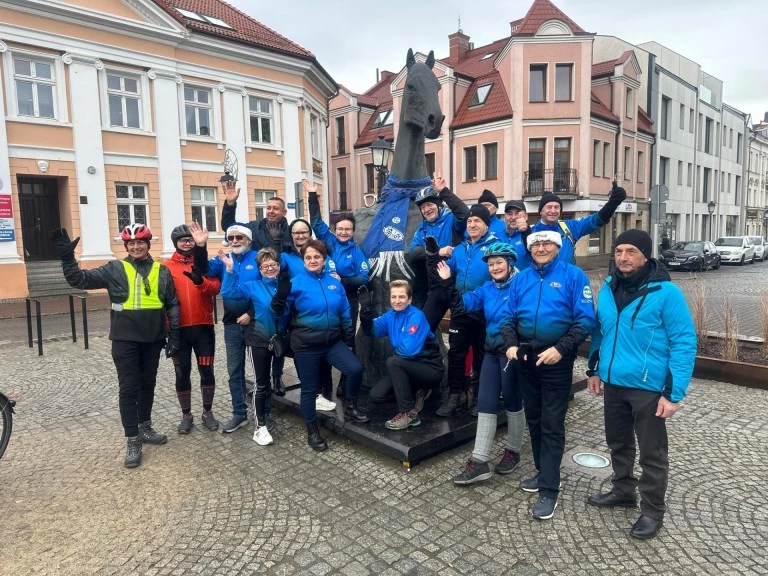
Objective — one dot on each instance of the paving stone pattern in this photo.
(209, 503)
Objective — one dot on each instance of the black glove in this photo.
(283, 285)
(618, 195)
(174, 343)
(365, 298)
(430, 246)
(314, 205)
(194, 275)
(65, 248)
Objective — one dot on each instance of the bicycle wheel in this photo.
(6, 424)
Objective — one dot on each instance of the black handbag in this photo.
(279, 344)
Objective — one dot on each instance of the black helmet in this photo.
(428, 194)
(500, 249)
(181, 231)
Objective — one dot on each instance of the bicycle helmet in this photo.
(501, 249)
(181, 231)
(428, 194)
(136, 232)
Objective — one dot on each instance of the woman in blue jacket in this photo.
(321, 330)
(416, 365)
(491, 298)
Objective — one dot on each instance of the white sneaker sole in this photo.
(480, 478)
(262, 441)
(325, 405)
(548, 516)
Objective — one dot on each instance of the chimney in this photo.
(458, 43)
(387, 75)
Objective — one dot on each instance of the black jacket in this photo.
(261, 236)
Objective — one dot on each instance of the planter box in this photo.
(741, 373)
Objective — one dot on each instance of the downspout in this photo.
(450, 159)
(720, 171)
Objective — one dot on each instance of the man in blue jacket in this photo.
(550, 314)
(550, 207)
(516, 231)
(489, 200)
(643, 350)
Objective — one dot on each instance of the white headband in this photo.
(545, 236)
(240, 229)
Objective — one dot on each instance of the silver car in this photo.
(735, 249)
(760, 248)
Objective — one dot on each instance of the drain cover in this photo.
(590, 460)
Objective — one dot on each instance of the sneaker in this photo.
(269, 422)
(532, 484)
(422, 396)
(323, 404)
(132, 452)
(544, 508)
(209, 421)
(234, 423)
(448, 407)
(262, 437)
(508, 462)
(474, 471)
(186, 424)
(403, 420)
(147, 434)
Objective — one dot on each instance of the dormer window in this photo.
(383, 119)
(489, 55)
(481, 95)
(202, 18)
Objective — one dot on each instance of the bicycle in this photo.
(6, 421)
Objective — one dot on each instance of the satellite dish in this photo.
(230, 167)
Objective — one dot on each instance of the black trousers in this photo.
(136, 364)
(631, 412)
(545, 390)
(404, 376)
(202, 340)
(465, 330)
(261, 358)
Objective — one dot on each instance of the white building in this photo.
(757, 180)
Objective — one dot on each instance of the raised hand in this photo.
(194, 275)
(65, 248)
(443, 270)
(437, 182)
(309, 187)
(522, 224)
(231, 191)
(199, 234)
(226, 259)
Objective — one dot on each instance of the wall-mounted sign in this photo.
(7, 230)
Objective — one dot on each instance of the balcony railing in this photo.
(551, 180)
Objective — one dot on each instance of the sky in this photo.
(351, 39)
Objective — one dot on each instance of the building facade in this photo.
(531, 113)
(123, 114)
(757, 180)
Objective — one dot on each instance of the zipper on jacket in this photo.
(327, 324)
(615, 338)
(538, 303)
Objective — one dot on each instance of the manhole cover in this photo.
(589, 460)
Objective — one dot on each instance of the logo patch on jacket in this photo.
(555, 284)
(364, 265)
(331, 286)
(412, 329)
(587, 292)
(393, 233)
(249, 266)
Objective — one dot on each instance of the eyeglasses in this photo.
(344, 229)
(237, 237)
(272, 266)
(300, 233)
(185, 241)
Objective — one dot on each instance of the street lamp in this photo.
(381, 151)
(711, 208)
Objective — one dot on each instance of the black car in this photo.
(698, 255)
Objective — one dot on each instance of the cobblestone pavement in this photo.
(209, 503)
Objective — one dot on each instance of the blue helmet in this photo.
(501, 249)
(428, 194)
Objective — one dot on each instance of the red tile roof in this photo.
(644, 122)
(599, 109)
(541, 11)
(244, 28)
(496, 107)
(473, 65)
(607, 67)
(368, 134)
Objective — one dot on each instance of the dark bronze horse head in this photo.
(421, 108)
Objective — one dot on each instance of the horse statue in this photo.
(385, 230)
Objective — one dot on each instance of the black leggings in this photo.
(202, 340)
(404, 376)
(262, 361)
(136, 364)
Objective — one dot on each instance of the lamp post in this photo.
(381, 151)
(711, 208)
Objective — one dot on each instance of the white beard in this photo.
(239, 249)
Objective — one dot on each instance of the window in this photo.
(709, 135)
(664, 171)
(607, 159)
(481, 95)
(341, 145)
(197, 110)
(35, 85)
(725, 135)
(561, 178)
(731, 139)
(537, 83)
(132, 205)
(470, 164)
(204, 209)
(384, 118)
(260, 198)
(630, 102)
(124, 97)
(682, 116)
(664, 124)
(739, 147)
(563, 82)
(597, 158)
(370, 186)
(489, 55)
(640, 167)
(737, 189)
(201, 18)
(689, 178)
(690, 121)
(260, 111)
(679, 173)
(430, 160)
(627, 163)
(705, 187)
(314, 135)
(728, 187)
(491, 153)
(342, 183)
(536, 153)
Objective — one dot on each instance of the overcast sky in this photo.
(351, 39)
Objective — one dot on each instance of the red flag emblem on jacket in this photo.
(413, 329)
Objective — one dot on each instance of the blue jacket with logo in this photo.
(294, 263)
(260, 292)
(492, 298)
(319, 311)
(650, 343)
(518, 243)
(467, 264)
(409, 333)
(550, 306)
(351, 262)
(247, 270)
(578, 228)
(444, 229)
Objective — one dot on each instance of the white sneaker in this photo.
(323, 404)
(262, 437)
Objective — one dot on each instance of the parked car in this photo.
(698, 255)
(760, 247)
(735, 249)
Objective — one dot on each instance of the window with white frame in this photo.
(260, 201)
(260, 110)
(203, 202)
(132, 205)
(314, 135)
(597, 158)
(563, 82)
(384, 118)
(640, 168)
(124, 99)
(627, 163)
(481, 95)
(630, 103)
(607, 159)
(197, 110)
(35, 85)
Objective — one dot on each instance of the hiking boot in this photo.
(474, 471)
(132, 452)
(209, 421)
(186, 424)
(234, 423)
(262, 437)
(403, 420)
(544, 507)
(422, 396)
(352, 412)
(509, 461)
(323, 404)
(448, 407)
(314, 439)
(147, 434)
(278, 386)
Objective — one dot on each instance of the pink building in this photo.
(527, 114)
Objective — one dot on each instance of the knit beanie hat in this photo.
(301, 221)
(238, 228)
(544, 236)
(640, 239)
(488, 196)
(481, 212)
(547, 198)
